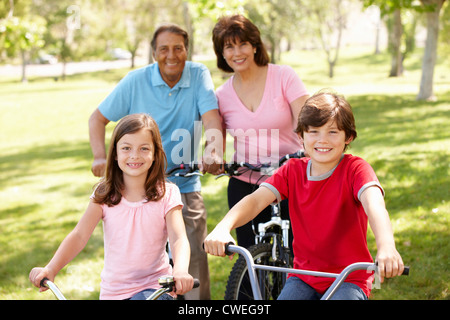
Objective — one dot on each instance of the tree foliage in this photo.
(21, 37)
(77, 30)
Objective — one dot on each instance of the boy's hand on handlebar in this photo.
(390, 263)
(215, 242)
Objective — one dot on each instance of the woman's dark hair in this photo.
(231, 28)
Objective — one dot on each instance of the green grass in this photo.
(45, 176)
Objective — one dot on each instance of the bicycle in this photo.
(271, 246)
(167, 284)
(230, 248)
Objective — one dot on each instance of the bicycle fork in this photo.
(284, 225)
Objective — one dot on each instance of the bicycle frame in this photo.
(339, 277)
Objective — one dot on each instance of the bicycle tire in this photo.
(271, 283)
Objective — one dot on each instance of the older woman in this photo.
(259, 105)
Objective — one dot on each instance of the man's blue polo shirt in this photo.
(177, 110)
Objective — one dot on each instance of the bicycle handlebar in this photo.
(230, 248)
(231, 169)
(167, 283)
(189, 169)
(45, 282)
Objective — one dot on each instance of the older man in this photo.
(177, 94)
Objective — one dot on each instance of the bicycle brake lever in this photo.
(222, 175)
(188, 174)
(194, 174)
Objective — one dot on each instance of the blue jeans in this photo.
(144, 294)
(296, 289)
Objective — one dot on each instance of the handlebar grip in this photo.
(227, 252)
(405, 271)
(298, 154)
(43, 282)
(196, 283)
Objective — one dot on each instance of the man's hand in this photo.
(98, 167)
(212, 164)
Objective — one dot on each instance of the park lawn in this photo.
(45, 179)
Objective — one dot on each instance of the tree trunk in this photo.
(331, 69)
(190, 29)
(63, 72)
(339, 24)
(396, 40)
(150, 52)
(133, 56)
(377, 38)
(24, 65)
(429, 57)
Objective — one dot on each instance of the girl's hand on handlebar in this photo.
(184, 282)
(36, 276)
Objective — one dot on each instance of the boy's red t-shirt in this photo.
(328, 220)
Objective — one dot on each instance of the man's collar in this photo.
(184, 82)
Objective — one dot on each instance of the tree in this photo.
(444, 34)
(21, 32)
(197, 13)
(429, 57)
(63, 23)
(432, 9)
(374, 15)
(328, 20)
(275, 19)
(395, 28)
(401, 35)
(140, 21)
(22, 36)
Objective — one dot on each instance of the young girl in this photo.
(331, 196)
(139, 210)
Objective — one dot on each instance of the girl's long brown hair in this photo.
(108, 190)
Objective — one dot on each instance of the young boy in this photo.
(332, 196)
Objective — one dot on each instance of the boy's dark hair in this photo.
(325, 106)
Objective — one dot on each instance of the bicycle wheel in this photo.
(270, 283)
